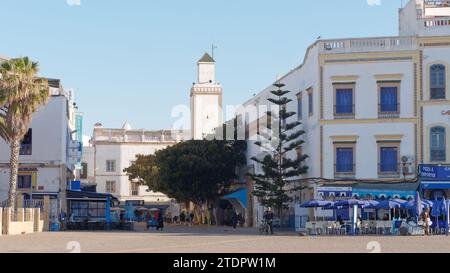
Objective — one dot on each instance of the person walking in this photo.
(160, 221)
(426, 221)
(234, 219)
(63, 220)
(191, 216)
(268, 218)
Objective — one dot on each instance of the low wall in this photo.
(18, 228)
(40, 227)
(22, 221)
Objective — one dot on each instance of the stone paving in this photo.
(214, 240)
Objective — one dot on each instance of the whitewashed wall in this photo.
(124, 154)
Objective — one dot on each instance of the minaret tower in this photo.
(206, 100)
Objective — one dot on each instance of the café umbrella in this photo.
(351, 203)
(371, 204)
(418, 205)
(316, 204)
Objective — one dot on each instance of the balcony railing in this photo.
(344, 111)
(438, 155)
(368, 45)
(344, 170)
(389, 169)
(387, 110)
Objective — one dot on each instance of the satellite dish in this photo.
(405, 159)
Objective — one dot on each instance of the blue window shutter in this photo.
(389, 159)
(344, 160)
(389, 99)
(437, 81)
(344, 101)
(299, 108)
(310, 103)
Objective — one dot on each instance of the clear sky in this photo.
(134, 60)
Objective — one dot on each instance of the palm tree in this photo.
(21, 94)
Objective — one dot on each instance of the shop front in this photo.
(435, 181)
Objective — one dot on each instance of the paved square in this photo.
(214, 240)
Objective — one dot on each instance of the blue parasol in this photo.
(389, 204)
(316, 204)
(418, 205)
(351, 202)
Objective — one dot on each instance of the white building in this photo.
(368, 103)
(113, 150)
(49, 152)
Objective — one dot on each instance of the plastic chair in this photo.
(330, 228)
(388, 226)
(379, 226)
(308, 228)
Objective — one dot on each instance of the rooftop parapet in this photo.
(358, 45)
(138, 136)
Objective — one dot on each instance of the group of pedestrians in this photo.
(187, 218)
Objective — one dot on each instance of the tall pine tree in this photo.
(279, 171)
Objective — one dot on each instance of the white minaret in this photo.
(206, 100)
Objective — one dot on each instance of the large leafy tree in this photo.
(21, 94)
(194, 171)
(279, 170)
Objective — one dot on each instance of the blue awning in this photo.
(362, 193)
(435, 185)
(240, 195)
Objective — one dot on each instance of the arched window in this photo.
(438, 144)
(437, 81)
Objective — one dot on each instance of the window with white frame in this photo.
(134, 189)
(110, 186)
(110, 165)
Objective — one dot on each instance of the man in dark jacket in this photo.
(234, 219)
(160, 221)
(268, 217)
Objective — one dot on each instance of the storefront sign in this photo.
(326, 192)
(433, 172)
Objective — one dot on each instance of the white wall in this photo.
(207, 115)
(124, 154)
(49, 155)
(366, 150)
(366, 90)
(49, 126)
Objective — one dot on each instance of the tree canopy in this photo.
(22, 92)
(192, 171)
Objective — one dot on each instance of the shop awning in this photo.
(435, 185)
(84, 195)
(378, 193)
(240, 195)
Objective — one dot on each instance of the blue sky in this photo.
(135, 60)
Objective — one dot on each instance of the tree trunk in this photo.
(14, 169)
(215, 215)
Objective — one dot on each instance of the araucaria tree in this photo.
(21, 94)
(280, 168)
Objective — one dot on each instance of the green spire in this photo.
(206, 59)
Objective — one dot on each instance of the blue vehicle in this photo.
(155, 219)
